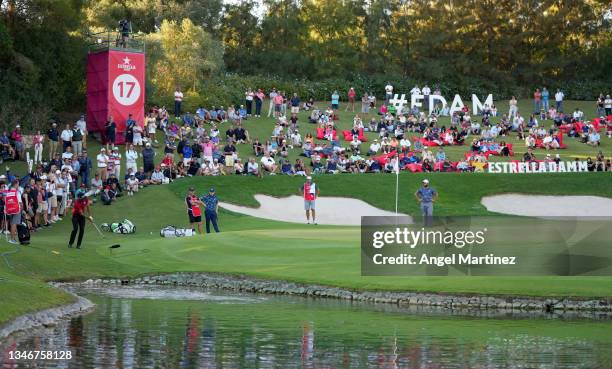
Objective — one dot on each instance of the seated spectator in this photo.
(157, 177)
(239, 168)
(374, 148)
(299, 168)
(132, 184)
(253, 168)
(593, 138)
(550, 142)
(529, 155)
(268, 163)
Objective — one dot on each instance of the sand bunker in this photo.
(547, 206)
(329, 210)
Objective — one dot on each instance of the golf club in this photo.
(97, 229)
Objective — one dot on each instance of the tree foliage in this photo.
(501, 46)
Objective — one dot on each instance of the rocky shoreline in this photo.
(486, 306)
(450, 301)
(46, 318)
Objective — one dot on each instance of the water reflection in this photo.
(279, 332)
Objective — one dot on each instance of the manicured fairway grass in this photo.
(276, 250)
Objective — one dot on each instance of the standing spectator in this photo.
(248, 97)
(129, 129)
(66, 137)
(272, 96)
(82, 124)
(38, 141)
(151, 128)
(545, 97)
(426, 196)
(426, 92)
(53, 135)
(513, 110)
(111, 130)
(295, 103)
(365, 103)
(601, 102)
(77, 140)
(131, 156)
(608, 105)
(351, 99)
(335, 100)
(178, 101)
(388, 93)
(278, 102)
(85, 167)
(211, 203)
(102, 164)
(559, 96)
(259, 99)
(148, 158)
(537, 101)
(115, 156)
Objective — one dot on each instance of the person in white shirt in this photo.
(116, 157)
(268, 163)
(296, 139)
(132, 183)
(578, 114)
(550, 143)
(355, 144)
(178, 101)
(66, 137)
(102, 163)
(388, 92)
(374, 147)
(405, 144)
(559, 96)
(253, 167)
(426, 92)
(137, 140)
(67, 154)
(82, 125)
(512, 112)
(608, 105)
(157, 177)
(415, 91)
(131, 156)
(272, 95)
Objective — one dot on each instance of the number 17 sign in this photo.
(126, 89)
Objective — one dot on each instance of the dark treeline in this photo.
(500, 46)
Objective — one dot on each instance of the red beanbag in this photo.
(414, 167)
(320, 133)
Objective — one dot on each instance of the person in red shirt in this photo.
(80, 211)
(194, 210)
(310, 192)
(351, 99)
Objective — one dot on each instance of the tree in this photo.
(187, 56)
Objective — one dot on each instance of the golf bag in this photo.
(23, 233)
(172, 232)
(123, 227)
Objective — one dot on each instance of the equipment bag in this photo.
(123, 227)
(23, 233)
(172, 232)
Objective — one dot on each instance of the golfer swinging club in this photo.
(311, 192)
(80, 211)
(426, 196)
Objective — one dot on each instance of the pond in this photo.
(186, 328)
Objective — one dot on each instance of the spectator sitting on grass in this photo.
(157, 177)
(593, 138)
(286, 167)
(107, 196)
(268, 163)
(253, 168)
(550, 142)
(374, 148)
(132, 184)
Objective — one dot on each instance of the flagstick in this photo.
(396, 191)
